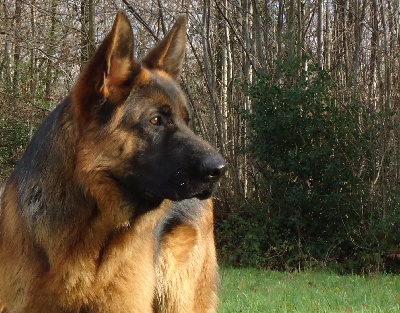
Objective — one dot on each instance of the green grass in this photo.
(251, 290)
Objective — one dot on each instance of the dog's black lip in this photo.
(203, 195)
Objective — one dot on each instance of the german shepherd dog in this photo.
(109, 208)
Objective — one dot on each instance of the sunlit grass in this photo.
(251, 290)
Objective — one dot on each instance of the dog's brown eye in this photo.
(156, 121)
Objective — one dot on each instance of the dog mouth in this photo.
(182, 191)
(176, 189)
(203, 195)
(186, 188)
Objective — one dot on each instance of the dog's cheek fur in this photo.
(100, 161)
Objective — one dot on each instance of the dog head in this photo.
(134, 120)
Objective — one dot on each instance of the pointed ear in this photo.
(119, 57)
(169, 53)
(106, 75)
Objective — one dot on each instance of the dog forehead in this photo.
(157, 88)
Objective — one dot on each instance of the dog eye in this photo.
(156, 121)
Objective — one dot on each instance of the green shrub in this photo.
(310, 152)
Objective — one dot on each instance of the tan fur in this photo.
(180, 285)
(78, 276)
(186, 267)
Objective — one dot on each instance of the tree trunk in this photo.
(320, 14)
(87, 30)
(50, 51)
(17, 49)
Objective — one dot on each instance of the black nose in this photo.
(213, 167)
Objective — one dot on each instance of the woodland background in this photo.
(301, 97)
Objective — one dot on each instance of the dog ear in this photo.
(108, 74)
(119, 57)
(169, 53)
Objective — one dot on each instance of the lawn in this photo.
(251, 290)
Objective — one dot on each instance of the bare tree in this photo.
(87, 24)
